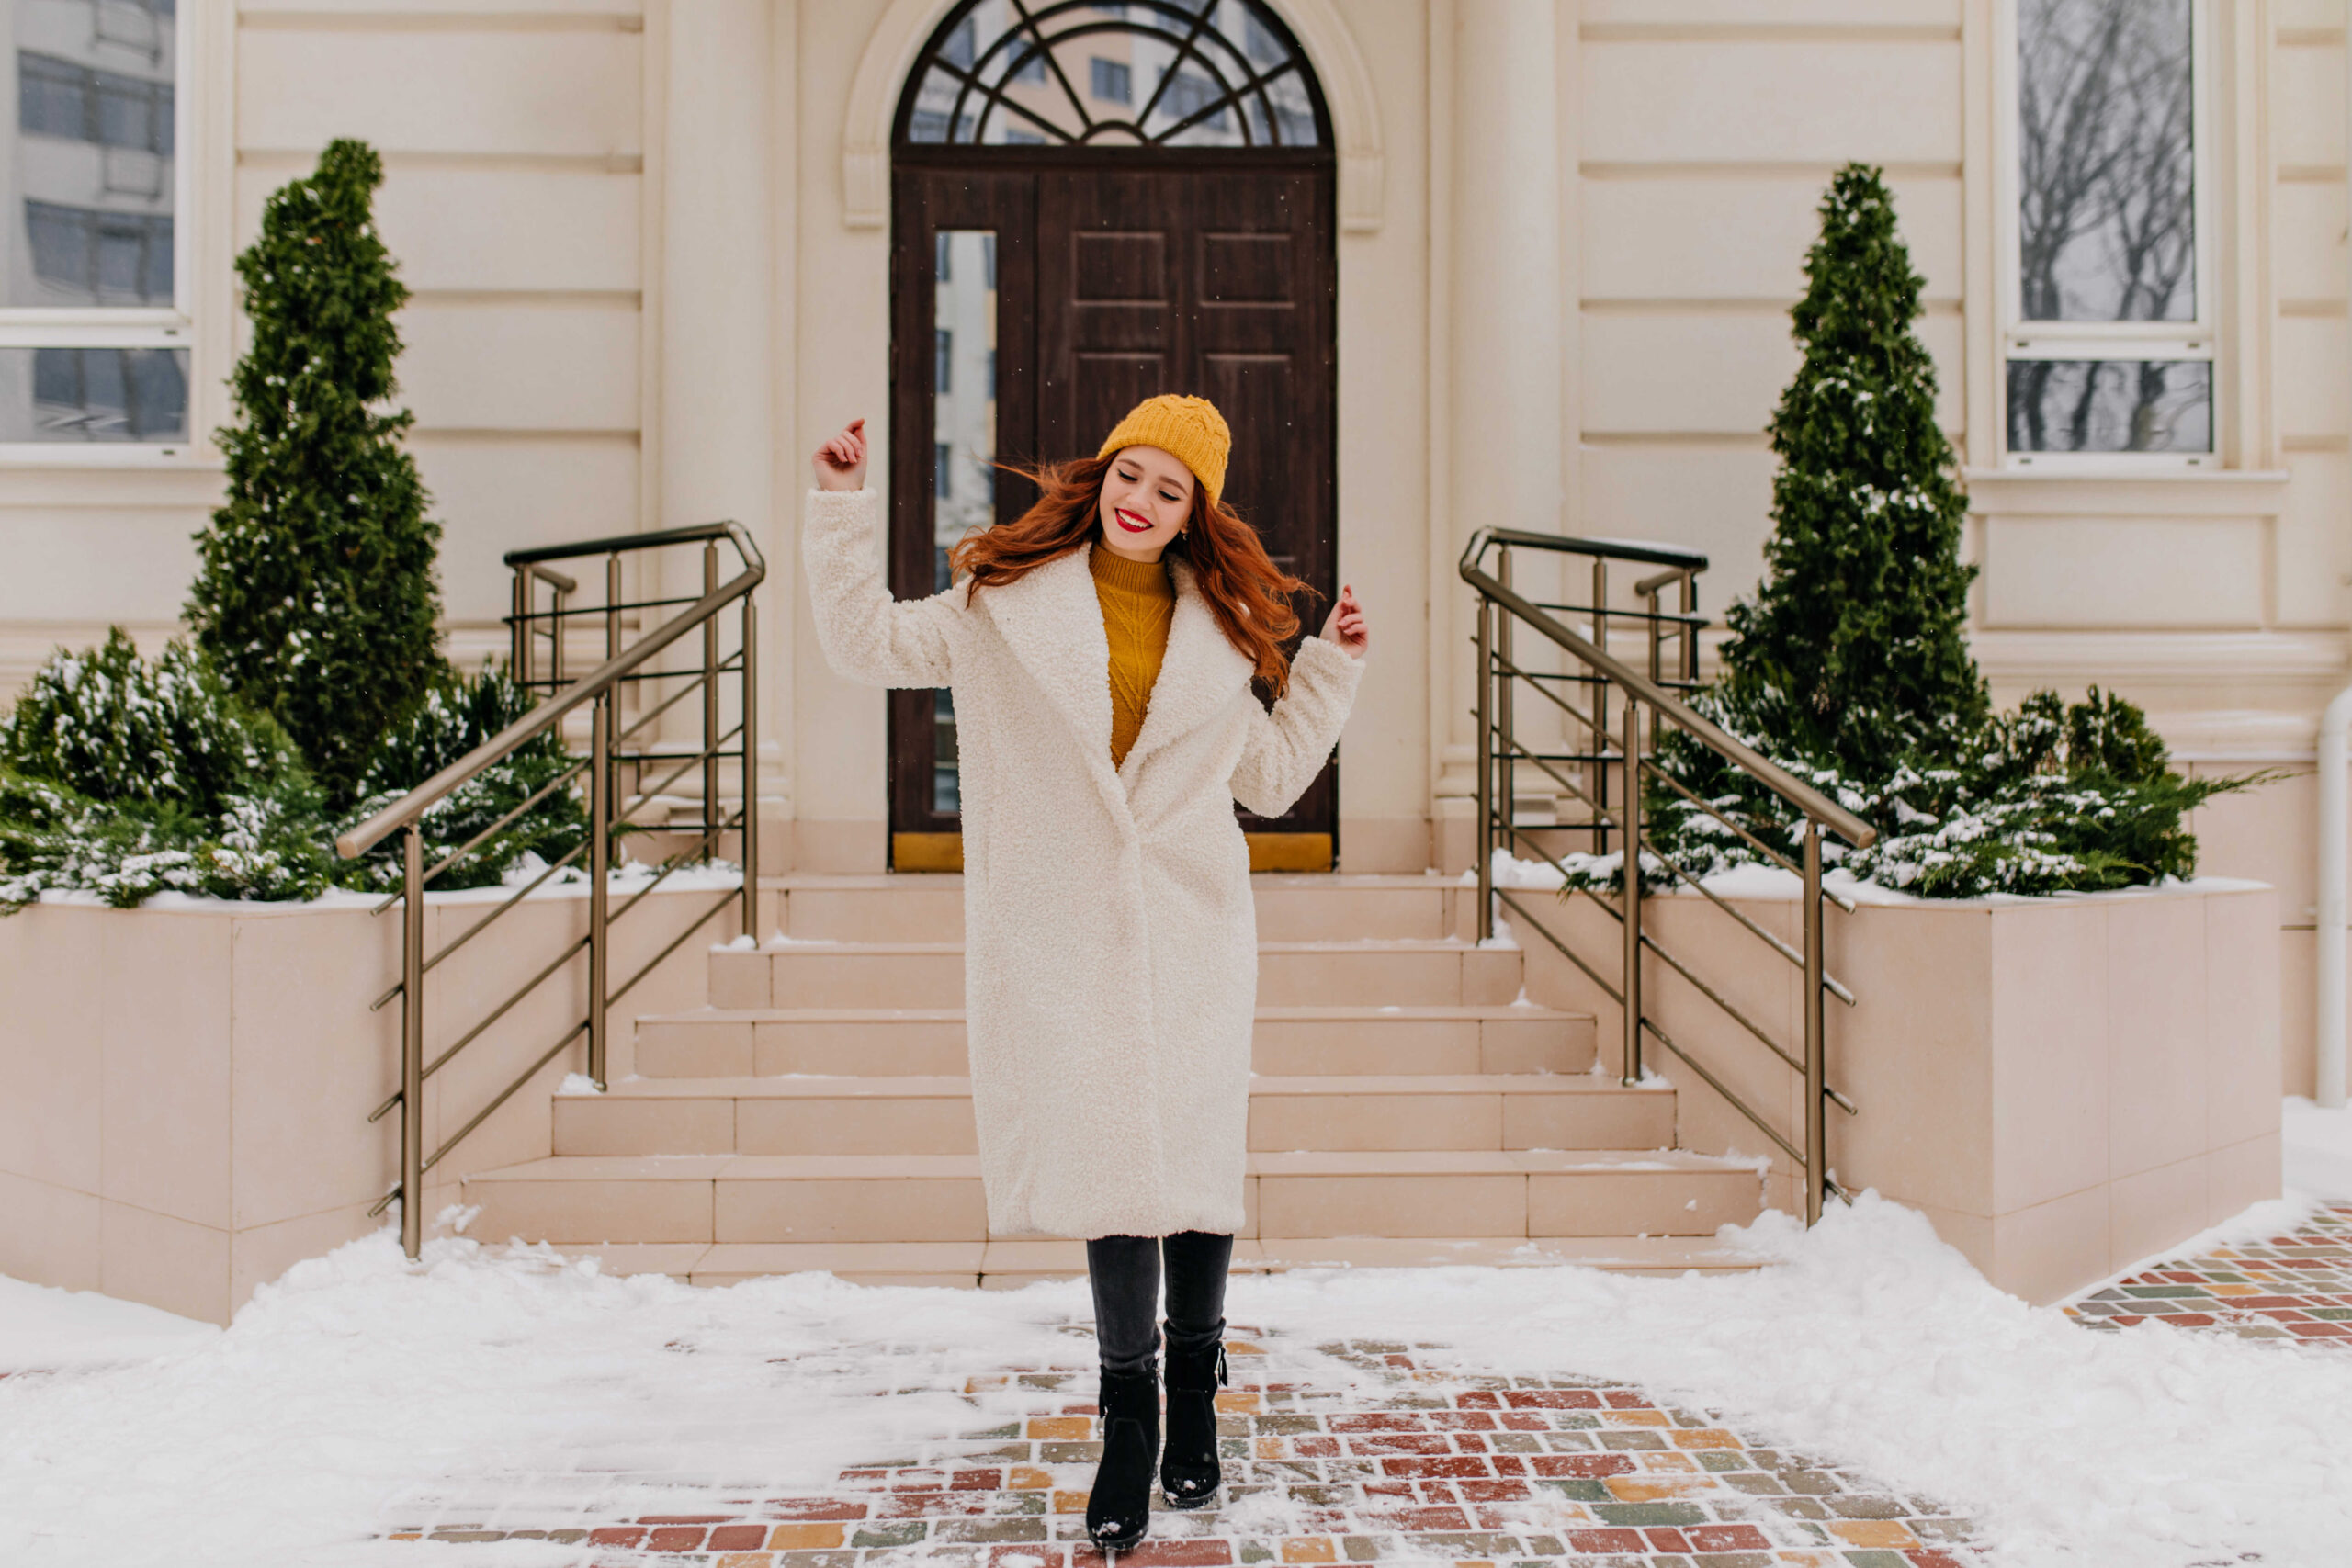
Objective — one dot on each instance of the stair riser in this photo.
(850, 1125)
(925, 1209)
(735, 1048)
(815, 978)
(1391, 1121)
(866, 1125)
(1284, 914)
(1455, 977)
(1600, 1204)
(1317, 1047)
(730, 1048)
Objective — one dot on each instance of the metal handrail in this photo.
(1615, 745)
(547, 715)
(624, 668)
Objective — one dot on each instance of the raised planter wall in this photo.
(2064, 1086)
(184, 1090)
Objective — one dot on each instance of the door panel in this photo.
(1121, 279)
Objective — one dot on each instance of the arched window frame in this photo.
(1034, 35)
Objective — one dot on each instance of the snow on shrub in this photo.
(126, 779)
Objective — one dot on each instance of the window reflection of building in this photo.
(2107, 352)
(963, 434)
(88, 185)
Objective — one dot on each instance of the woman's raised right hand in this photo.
(839, 463)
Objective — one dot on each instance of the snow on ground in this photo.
(359, 1378)
(2319, 1149)
(43, 1326)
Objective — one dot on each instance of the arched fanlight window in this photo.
(1149, 73)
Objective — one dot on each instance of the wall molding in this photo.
(2193, 657)
(898, 37)
(2213, 492)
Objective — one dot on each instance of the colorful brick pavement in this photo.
(2294, 1287)
(1342, 1453)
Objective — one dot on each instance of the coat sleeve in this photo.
(1287, 746)
(867, 635)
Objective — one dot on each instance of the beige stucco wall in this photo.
(2064, 1086)
(649, 278)
(189, 1086)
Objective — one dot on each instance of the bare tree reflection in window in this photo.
(2106, 213)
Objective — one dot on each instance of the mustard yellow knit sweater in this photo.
(1138, 601)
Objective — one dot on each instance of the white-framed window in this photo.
(2106, 240)
(95, 260)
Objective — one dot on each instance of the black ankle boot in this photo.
(1188, 1468)
(1118, 1510)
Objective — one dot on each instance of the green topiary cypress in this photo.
(1855, 636)
(1848, 667)
(315, 594)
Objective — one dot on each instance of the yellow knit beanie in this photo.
(1189, 428)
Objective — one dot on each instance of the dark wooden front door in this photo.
(1106, 280)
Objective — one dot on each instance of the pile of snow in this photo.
(42, 1326)
(361, 1383)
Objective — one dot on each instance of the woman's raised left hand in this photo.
(1346, 624)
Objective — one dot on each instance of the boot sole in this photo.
(1187, 1504)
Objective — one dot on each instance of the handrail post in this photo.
(1817, 1152)
(1690, 628)
(1656, 640)
(751, 835)
(412, 1041)
(518, 631)
(600, 851)
(710, 818)
(1486, 770)
(555, 640)
(1600, 731)
(611, 606)
(1630, 810)
(1505, 716)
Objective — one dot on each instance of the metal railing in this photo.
(1609, 714)
(628, 674)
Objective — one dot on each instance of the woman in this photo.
(1102, 648)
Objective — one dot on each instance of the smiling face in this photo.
(1147, 497)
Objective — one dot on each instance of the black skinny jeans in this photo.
(1125, 1273)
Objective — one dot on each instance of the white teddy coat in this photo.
(1111, 941)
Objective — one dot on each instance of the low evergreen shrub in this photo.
(126, 778)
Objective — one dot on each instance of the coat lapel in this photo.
(1198, 675)
(1052, 622)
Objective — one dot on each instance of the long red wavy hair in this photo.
(1246, 591)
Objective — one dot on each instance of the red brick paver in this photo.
(1384, 1458)
(2295, 1287)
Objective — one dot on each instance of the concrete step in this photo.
(1291, 907)
(937, 1198)
(1008, 1265)
(856, 1115)
(883, 1041)
(1406, 973)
